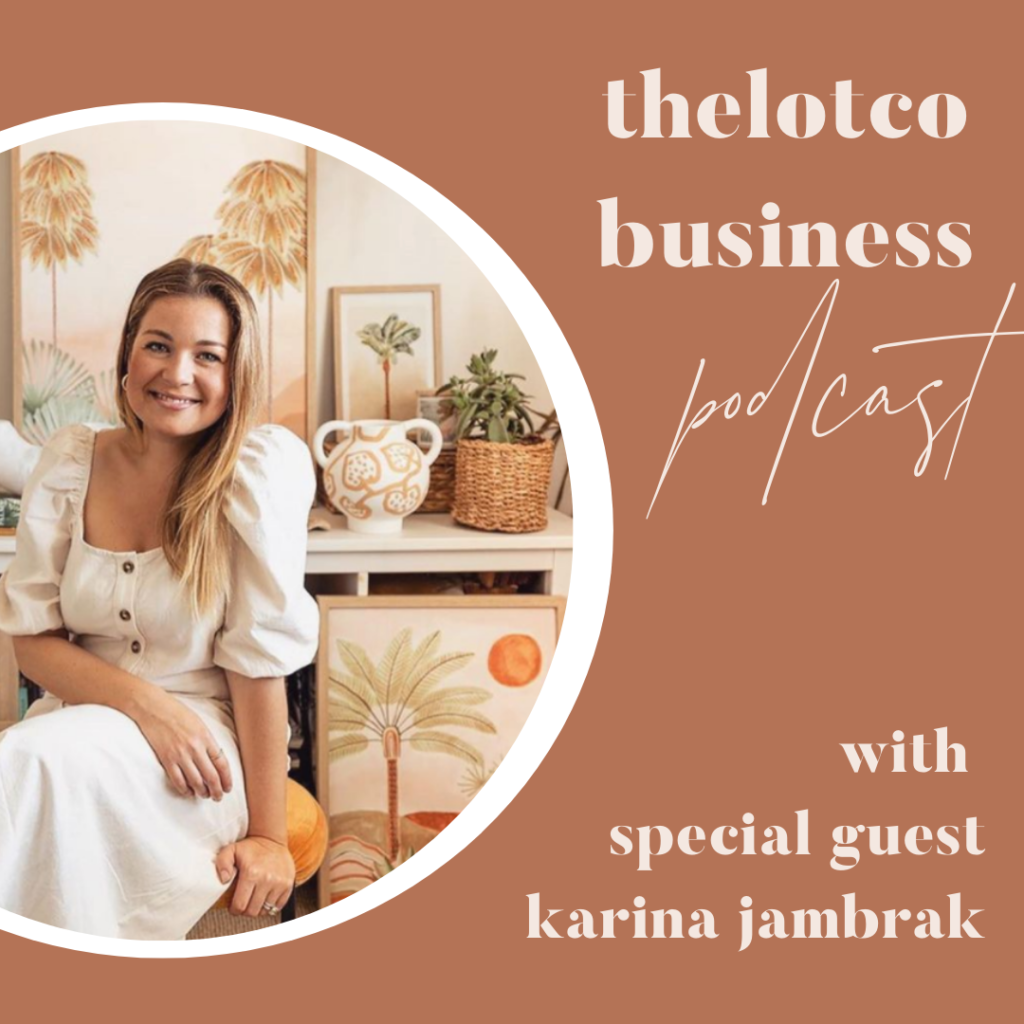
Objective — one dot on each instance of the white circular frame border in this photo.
(592, 526)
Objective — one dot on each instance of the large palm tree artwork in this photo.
(389, 340)
(399, 701)
(262, 238)
(57, 222)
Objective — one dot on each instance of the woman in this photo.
(157, 596)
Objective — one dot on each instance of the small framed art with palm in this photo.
(387, 349)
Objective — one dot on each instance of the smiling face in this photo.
(178, 374)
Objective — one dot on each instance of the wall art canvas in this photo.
(97, 208)
(418, 701)
(387, 347)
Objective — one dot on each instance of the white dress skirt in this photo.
(93, 838)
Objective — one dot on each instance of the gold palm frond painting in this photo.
(269, 183)
(261, 239)
(48, 246)
(57, 222)
(60, 209)
(54, 172)
(275, 227)
(259, 268)
(200, 249)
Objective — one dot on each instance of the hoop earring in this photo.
(124, 382)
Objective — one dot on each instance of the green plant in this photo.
(10, 512)
(489, 403)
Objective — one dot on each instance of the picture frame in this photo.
(387, 348)
(400, 755)
(134, 211)
(438, 409)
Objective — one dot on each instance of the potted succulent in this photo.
(503, 461)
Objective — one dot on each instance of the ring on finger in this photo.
(269, 908)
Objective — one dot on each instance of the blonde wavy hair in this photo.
(196, 535)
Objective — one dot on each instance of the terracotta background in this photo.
(742, 643)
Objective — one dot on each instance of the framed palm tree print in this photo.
(97, 208)
(387, 347)
(418, 700)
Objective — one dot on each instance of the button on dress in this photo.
(93, 838)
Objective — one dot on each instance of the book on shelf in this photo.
(28, 693)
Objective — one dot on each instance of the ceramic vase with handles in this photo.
(375, 475)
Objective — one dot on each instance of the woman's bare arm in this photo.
(264, 866)
(75, 676)
(180, 739)
(261, 719)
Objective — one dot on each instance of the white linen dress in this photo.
(93, 838)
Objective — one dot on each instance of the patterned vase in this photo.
(376, 476)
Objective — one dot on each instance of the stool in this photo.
(307, 843)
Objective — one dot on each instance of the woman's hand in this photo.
(184, 746)
(265, 870)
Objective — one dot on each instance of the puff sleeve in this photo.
(30, 588)
(271, 624)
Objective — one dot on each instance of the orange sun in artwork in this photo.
(514, 660)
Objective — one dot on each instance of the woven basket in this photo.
(441, 492)
(503, 487)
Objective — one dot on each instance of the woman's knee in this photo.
(76, 743)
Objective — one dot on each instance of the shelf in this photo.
(427, 543)
(439, 532)
(436, 543)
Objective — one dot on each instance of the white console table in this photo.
(427, 544)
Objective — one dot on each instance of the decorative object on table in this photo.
(503, 465)
(500, 582)
(321, 501)
(387, 347)
(98, 207)
(375, 475)
(441, 490)
(418, 701)
(321, 518)
(404, 584)
(438, 408)
(458, 584)
(10, 513)
(18, 458)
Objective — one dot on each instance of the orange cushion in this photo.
(307, 837)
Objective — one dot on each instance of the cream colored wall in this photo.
(365, 234)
